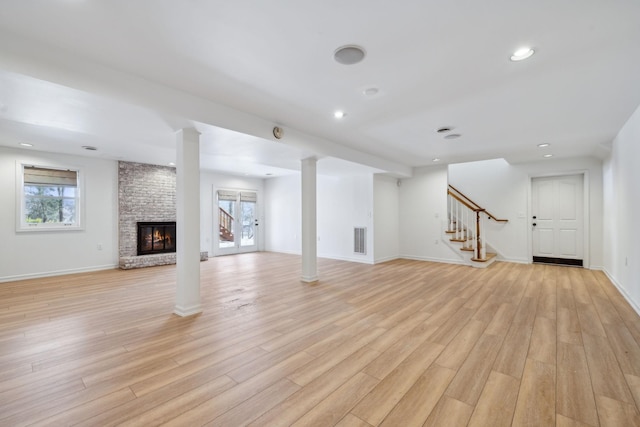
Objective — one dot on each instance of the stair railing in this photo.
(466, 222)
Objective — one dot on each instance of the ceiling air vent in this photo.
(360, 240)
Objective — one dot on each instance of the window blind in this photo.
(248, 196)
(227, 195)
(44, 176)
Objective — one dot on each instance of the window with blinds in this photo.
(50, 198)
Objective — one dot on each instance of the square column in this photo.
(188, 223)
(309, 226)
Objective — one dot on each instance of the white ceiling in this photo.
(125, 75)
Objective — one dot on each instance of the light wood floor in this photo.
(403, 343)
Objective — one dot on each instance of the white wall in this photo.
(423, 214)
(210, 182)
(386, 218)
(621, 183)
(282, 214)
(343, 202)
(45, 253)
(504, 190)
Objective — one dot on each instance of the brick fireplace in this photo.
(146, 194)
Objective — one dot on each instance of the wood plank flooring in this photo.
(403, 343)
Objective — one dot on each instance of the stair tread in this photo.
(488, 257)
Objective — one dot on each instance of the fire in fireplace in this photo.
(156, 237)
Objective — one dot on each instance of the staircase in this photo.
(226, 226)
(466, 232)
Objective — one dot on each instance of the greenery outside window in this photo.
(49, 198)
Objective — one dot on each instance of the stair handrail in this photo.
(464, 202)
(477, 207)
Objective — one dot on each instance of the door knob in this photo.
(534, 224)
(534, 217)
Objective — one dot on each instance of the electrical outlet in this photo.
(99, 246)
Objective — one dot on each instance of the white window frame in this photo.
(22, 225)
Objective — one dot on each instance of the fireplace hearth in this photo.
(156, 237)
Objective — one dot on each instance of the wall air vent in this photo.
(360, 240)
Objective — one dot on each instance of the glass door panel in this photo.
(236, 222)
(248, 237)
(226, 224)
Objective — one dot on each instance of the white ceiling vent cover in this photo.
(360, 240)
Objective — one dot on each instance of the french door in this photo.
(235, 220)
(558, 219)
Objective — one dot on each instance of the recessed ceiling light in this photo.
(349, 55)
(543, 145)
(522, 53)
(547, 156)
(452, 136)
(339, 114)
(90, 148)
(370, 91)
(435, 159)
(26, 144)
(171, 164)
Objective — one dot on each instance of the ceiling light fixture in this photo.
(26, 144)
(371, 91)
(339, 114)
(349, 54)
(435, 159)
(522, 53)
(546, 156)
(453, 136)
(543, 145)
(443, 130)
(171, 164)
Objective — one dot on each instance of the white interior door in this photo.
(558, 219)
(235, 222)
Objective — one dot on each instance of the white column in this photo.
(188, 223)
(309, 228)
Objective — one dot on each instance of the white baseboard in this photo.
(57, 273)
(430, 259)
(514, 260)
(624, 293)
(385, 259)
(349, 259)
(187, 311)
(283, 252)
